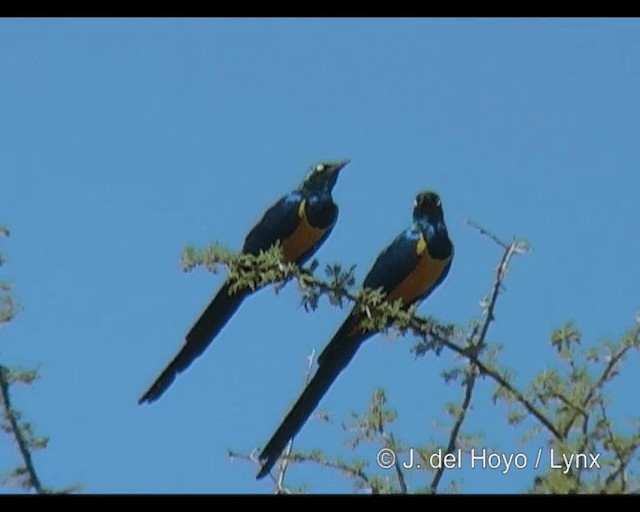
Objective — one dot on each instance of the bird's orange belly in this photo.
(301, 240)
(424, 275)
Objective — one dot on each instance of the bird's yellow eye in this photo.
(320, 168)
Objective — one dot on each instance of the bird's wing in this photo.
(278, 223)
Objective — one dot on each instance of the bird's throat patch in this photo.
(303, 205)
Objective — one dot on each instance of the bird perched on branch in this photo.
(300, 221)
(410, 269)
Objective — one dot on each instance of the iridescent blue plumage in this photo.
(410, 269)
(300, 221)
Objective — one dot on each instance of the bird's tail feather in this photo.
(335, 358)
(204, 330)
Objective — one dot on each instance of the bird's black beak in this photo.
(338, 166)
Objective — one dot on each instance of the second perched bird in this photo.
(415, 263)
(301, 221)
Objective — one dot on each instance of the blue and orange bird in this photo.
(410, 269)
(301, 221)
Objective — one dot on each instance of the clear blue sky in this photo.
(122, 141)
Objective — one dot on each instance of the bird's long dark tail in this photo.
(332, 361)
(212, 320)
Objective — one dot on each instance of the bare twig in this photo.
(477, 341)
(577, 408)
(15, 430)
(285, 460)
(500, 275)
(606, 373)
(401, 480)
(453, 436)
(486, 232)
(583, 446)
(254, 459)
(355, 472)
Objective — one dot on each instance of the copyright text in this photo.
(482, 458)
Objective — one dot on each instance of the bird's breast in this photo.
(303, 238)
(422, 278)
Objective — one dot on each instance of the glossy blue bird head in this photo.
(428, 207)
(322, 177)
